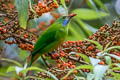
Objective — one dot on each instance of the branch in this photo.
(9, 21)
(23, 39)
(1, 15)
(70, 5)
(83, 1)
(77, 60)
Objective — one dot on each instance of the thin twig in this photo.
(2, 15)
(82, 3)
(116, 71)
(30, 5)
(23, 39)
(9, 21)
(77, 60)
(70, 5)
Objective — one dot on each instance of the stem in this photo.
(30, 5)
(70, 6)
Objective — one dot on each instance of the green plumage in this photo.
(50, 39)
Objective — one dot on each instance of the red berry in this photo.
(77, 55)
(72, 66)
(54, 56)
(4, 31)
(25, 36)
(58, 61)
(78, 48)
(90, 47)
(75, 71)
(0, 28)
(62, 54)
(101, 62)
(40, 4)
(58, 65)
(70, 63)
(102, 28)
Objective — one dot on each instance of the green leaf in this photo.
(36, 78)
(117, 64)
(38, 69)
(22, 8)
(32, 1)
(108, 44)
(89, 14)
(77, 68)
(114, 56)
(78, 27)
(99, 3)
(76, 31)
(83, 26)
(108, 60)
(91, 28)
(90, 4)
(116, 76)
(10, 69)
(56, 2)
(85, 58)
(79, 78)
(98, 45)
(3, 74)
(116, 68)
(12, 61)
(113, 47)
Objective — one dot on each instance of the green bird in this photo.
(51, 38)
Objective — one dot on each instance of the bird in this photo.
(51, 38)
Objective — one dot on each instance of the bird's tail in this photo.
(31, 59)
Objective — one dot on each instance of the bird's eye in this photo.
(64, 17)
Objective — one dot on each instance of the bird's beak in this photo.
(68, 18)
(72, 15)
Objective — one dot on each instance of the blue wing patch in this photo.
(65, 22)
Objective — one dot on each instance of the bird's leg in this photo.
(50, 53)
(45, 60)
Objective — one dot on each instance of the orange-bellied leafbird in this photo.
(51, 38)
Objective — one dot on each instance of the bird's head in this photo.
(65, 19)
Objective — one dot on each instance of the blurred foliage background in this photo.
(91, 15)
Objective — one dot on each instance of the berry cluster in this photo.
(7, 10)
(46, 6)
(26, 46)
(108, 34)
(24, 39)
(43, 7)
(9, 27)
(20, 36)
(6, 4)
